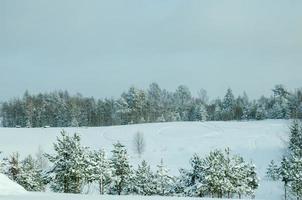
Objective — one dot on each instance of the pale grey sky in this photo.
(100, 48)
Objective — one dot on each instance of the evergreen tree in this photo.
(295, 139)
(190, 181)
(164, 181)
(198, 112)
(252, 179)
(295, 104)
(218, 110)
(13, 166)
(295, 159)
(100, 169)
(219, 175)
(296, 176)
(69, 164)
(144, 183)
(228, 105)
(121, 169)
(273, 171)
(154, 101)
(30, 176)
(290, 169)
(260, 112)
(280, 105)
(183, 100)
(135, 102)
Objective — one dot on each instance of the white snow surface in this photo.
(174, 142)
(9, 187)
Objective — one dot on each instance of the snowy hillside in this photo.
(176, 142)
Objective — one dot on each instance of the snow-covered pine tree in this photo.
(280, 106)
(252, 179)
(260, 112)
(30, 176)
(290, 169)
(214, 173)
(228, 105)
(121, 169)
(191, 180)
(233, 174)
(282, 173)
(242, 175)
(273, 171)
(295, 139)
(100, 168)
(295, 159)
(68, 171)
(203, 113)
(243, 178)
(3, 165)
(285, 174)
(245, 112)
(13, 166)
(164, 182)
(198, 112)
(182, 100)
(135, 99)
(296, 176)
(153, 98)
(217, 115)
(181, 183)
(219, 175)
(144, 182)
(295, 104)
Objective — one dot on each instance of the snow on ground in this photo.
(8, 187)
(175, 142)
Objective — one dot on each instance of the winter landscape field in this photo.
(175, 143)
(150, 100)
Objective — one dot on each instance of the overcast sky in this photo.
(100, 48)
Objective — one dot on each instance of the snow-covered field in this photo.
(175, 142)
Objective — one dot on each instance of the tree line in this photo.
(60, 109)
(73, 167)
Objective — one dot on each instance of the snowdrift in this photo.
(9, 187)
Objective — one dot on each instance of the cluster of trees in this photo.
(289, 170)
(74, 167)
(219, 175)
(59, 109)
(27, 172)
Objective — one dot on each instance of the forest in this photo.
(60, 109)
